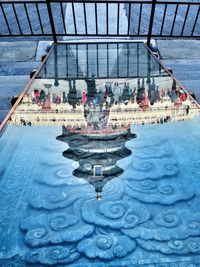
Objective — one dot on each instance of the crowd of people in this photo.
(96, 100)
(111, 92)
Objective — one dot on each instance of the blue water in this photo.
(150, 214)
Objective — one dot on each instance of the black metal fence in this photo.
(102, 18)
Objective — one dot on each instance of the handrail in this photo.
(102, 1)
(63, 18)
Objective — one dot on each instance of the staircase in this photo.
(188, 73)
(17, 60)
(183, 57)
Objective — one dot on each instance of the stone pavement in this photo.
(17, 60)
(183, 57)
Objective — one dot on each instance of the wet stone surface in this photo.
(87, 191)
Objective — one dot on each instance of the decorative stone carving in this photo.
(53, 255)
(163, 191)
(106, 247)
(173, 246)
(171, 224)
(54, 228)
(117, 214)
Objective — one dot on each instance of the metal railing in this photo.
(84, 60)
(59, 18)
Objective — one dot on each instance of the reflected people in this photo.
(96, 146)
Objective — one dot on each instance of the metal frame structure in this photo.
(19, 18)
(72, 50)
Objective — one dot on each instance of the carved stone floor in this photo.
(148, 216)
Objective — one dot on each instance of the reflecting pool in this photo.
(99, 164)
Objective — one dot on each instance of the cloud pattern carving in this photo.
(116, 214)
(147, 209)
(106, 247)
(53, 255)
(54, 228)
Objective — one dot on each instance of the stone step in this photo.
(17, 68)
(13, 80)
(187, 72)
(193, 86)
(5, 105)
(186, 75)
(18, 51)
(11, 86)
(182, 66)
(11, 90)
(173, 50)
(3, 114)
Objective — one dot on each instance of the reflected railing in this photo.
(98, 113)
(100, 61)
(69, 91)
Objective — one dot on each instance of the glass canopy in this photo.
(99, 163)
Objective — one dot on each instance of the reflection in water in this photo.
(151, 212)
(99, 86)
(91, 104)
(97, 155)
(96, 102)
